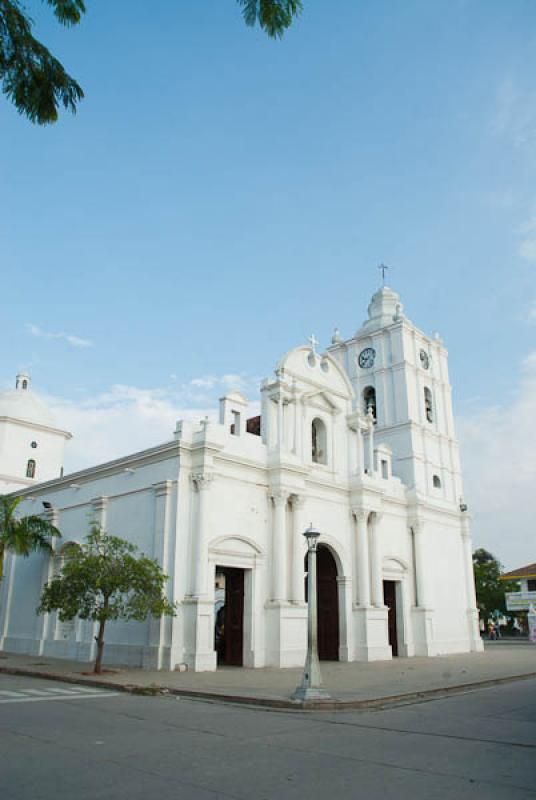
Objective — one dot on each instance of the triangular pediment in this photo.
(320, 400)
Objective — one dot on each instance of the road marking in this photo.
(36, 695)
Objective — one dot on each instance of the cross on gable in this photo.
(313, 342)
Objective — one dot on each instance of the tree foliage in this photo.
(273, 16)
(31, 77)
(25, 535)
(490, 590)
(38, 85)
(106, 579)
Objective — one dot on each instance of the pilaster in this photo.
(52, 516)
(298, 550)
(201, 483)
(422, 614)
(160, 628)
(473, 627)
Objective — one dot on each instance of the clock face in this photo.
(425, 359)
(366, 358)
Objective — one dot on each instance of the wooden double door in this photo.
(389, 599)
(229, 623)
(327, 604)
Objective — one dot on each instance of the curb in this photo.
(267, 702)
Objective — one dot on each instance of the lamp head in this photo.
(311, 534)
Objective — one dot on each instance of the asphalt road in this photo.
(64, 742)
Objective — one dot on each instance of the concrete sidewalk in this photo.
(350, 685)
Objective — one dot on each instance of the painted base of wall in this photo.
(286, 633)
(127, 655)
(371, 634)
(423, 631)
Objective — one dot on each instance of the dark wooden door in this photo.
(389, 599)
(233, 649)
(327, 606)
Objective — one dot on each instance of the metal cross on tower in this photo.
(383, 267)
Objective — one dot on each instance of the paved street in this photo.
(60, 742)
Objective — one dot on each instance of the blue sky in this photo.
(219, 196)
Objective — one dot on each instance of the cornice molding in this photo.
(36, 426)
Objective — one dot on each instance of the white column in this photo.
(362, 567)
(100, 516)
(295, 416)
(370, 418)
(161, 524)
(279, 549)
(52, 516)
(468, 564)
(160, 628)
(376, 560)
(421, 582)
(298, 566)
(360, 451)
(100, 511)
(200, 544)
(6, 595)
(280, 433)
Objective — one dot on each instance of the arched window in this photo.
(428, 405)
(369, 400)
(25, 384)
(319, 442)
(436, 480)
(30, 468)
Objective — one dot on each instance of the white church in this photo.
(359, 440)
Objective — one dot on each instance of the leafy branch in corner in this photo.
(36, 82)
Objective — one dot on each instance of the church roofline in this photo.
(36, 426)
(403, 321)
(140, 458)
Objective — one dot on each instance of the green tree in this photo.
(105, 579)
(38, 84)
(490, 589)
(25, 535)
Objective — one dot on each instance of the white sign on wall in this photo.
(520, 601)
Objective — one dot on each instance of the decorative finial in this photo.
(336, 338)
(313, 342)
(398, 312)
(383, 269)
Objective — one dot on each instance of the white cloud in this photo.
(515, 115)
(530, 316)
(499, 459)
(527, 245)
(74, 341)
(125, 419)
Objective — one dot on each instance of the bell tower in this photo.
(31, 444)
(402, 374)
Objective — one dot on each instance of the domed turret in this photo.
(22, 404)
(384, 308)
(31, 444)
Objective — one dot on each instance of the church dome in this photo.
(384, 308)
(22, 404)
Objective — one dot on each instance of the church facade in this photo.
(360, 441)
